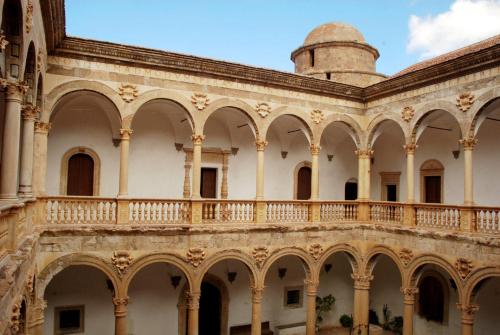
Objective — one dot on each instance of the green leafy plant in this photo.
(323, 305)
(346, 321)
(387, 317)
(396, 324)
(373, 317)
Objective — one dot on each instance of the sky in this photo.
(263, 33)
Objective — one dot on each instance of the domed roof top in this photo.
(334, 32)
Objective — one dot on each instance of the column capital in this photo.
(364, 153)
(468, 311)
(126, 133)
(120, 306)
(257, 293)
(197, 139)
(193, 300)
(468, 142)
(120, 301)
(42, 127)
(260, 144)
(409, 294)
(361, 280)
(311, 287)
(30, 112)
(15, 90)
(315, 149)
(410, 148)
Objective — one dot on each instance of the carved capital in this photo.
(468, 312)
(14, 90)
(311, 287)
(260, 255)
(195, 256)
(42, 127)
(406, 255)
(30, 112)
(361, 280)
(315, 250)
(464, 267)
(410, 148)
(3, 42)
(317, 116)
(121, 260)
(315, 149)
(260, 144)
(126, 133)
(263, 109)
(468, 142)
(465, 101)
(193, 301)
(409, 294)
(200, 101)
(407, 113)
(198, 139)
(364, 153)
(128, 92)
(120, 301)
(257, 293)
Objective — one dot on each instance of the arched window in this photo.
(302, 181)
(432, 298)
(80, 172)
(431, 181)
(351, 189)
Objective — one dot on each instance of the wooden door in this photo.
(80, 175)
(304, 183)
(208, 183)
(433, 189)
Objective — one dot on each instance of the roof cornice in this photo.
(54, 22)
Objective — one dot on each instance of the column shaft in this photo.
(29, 115)
(40, 157)
(361, 303)
(257, 310)
(312, 290)
(225, 167)
(410, 172)
(467, 324)
(315, 150)
(364, 169)
(468, 144)
(124, 153)
(120, 315)
(259, 192)
(197, 143)
(193, 309)
(187, 178)
(409, 305)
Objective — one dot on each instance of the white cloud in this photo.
(466, 22)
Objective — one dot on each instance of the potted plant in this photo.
(323, 305)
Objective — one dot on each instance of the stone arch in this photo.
(300, 115)
(352, 254)
(144, 261)
(352, 127)
(475, 278)
(424, 111)
(63, 180)
(161, 94)
(240, 105)
(477, 110)
(228, 255)
(307, 262)
(299, 166)
(56, 94)
(29, 73)
(39, 92)
(56, 266)
(436, 275)
(13, 28)
(378, 250)
(373, 130)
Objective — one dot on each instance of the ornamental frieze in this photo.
(128, 92)
(195, 256)
(200, 101)
(317, 116)
(263, 109)
(259, 255)
(121, 260)
(465, 101)
(407, 113)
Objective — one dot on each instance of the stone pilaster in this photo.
(40, 157)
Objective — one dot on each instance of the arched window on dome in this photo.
(351, 189)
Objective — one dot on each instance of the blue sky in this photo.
(260, 32)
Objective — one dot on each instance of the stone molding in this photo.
(198, 139)
(464, 267)
(30, 112)
(315, 250)
(42, 127)
(261, 144)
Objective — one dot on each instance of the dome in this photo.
(334, 32)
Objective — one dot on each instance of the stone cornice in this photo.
(351, 44)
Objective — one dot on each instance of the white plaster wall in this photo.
(486, 163)
(83, 128)
(385, 288)
(81, 285)
(486, 321)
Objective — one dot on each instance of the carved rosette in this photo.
(260, 255)
(364, 153)
(200, 101)
(410, 148)
(468, 142)
(464, 267)
(121, 260)
(128, 92)
(195, 256)
(30, 112)
(407, 113)
(315, 149)
(263, 109)
(465, 101)
(3, 42)
(29, 16)
(315, 250)
(361, 280)
(406, 255)
(42, 127)
(260, 144)
(317, 116)
(198, 139)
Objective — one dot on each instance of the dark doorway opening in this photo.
(208, 183)
(210, 310)
(80, 175)
(392, 192)
(351, 190)
(431, 299)
(432, 189)
(304, 183)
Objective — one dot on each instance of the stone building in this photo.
(149, 192)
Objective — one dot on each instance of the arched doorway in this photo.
(431, 181)
(210, 310)
(303, 181)
(80, 175)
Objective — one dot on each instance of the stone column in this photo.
(124, 151)
(197, 142)
(364, 169)
(468, 143)
(36, 317)
(10, 146)
(361, 302)
(315, 149)
(409, 305)
(257, 310)
(410, 172)
(193, 308)
(261, 146)
(120, 315)
(40, 157)
(225, 167)
(187, 177)
(311, 293)
(29, 114)
(467, 324)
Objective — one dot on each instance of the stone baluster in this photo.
(409, 294)
(193, 309)
(120, 315)
(29, 115)
(311, 293)
(257, 293)
(40, 157)
(467, 317)
(361, 302)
